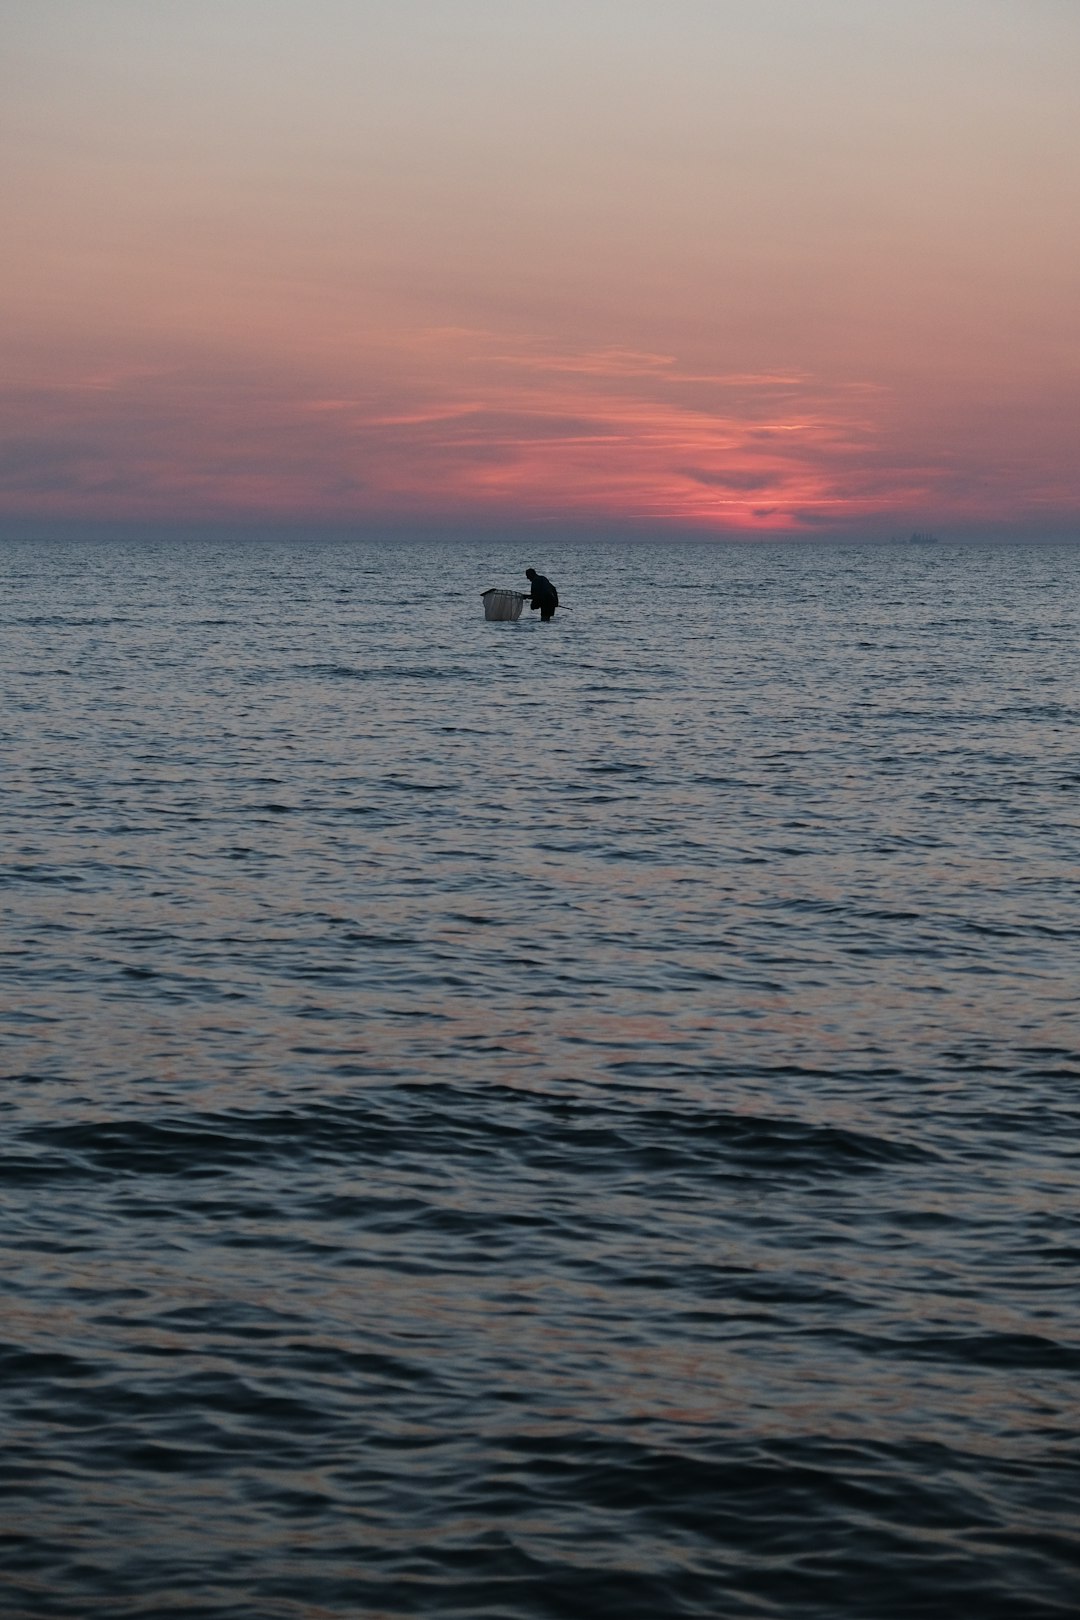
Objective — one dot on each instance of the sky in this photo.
(735, 267)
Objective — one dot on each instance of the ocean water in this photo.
(505, 1121)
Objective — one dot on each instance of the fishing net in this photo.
(502, 604)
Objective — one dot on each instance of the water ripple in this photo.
(520, 1124)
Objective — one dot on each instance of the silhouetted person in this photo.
(544, 595)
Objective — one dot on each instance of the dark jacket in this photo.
(544, 595)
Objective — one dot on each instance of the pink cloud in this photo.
(454, 422)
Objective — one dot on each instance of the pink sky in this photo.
(744, 265)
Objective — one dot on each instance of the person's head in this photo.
(530, 573)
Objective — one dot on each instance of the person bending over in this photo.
(544, 595)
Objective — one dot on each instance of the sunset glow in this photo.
(741, 266)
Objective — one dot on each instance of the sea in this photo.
(519, 1121)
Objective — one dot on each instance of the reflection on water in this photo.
(514, 1123)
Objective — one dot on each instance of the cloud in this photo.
(457, 423)
(599, 363)
(29, 465)
(728, 480)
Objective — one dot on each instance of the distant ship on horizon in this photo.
(917, 537)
